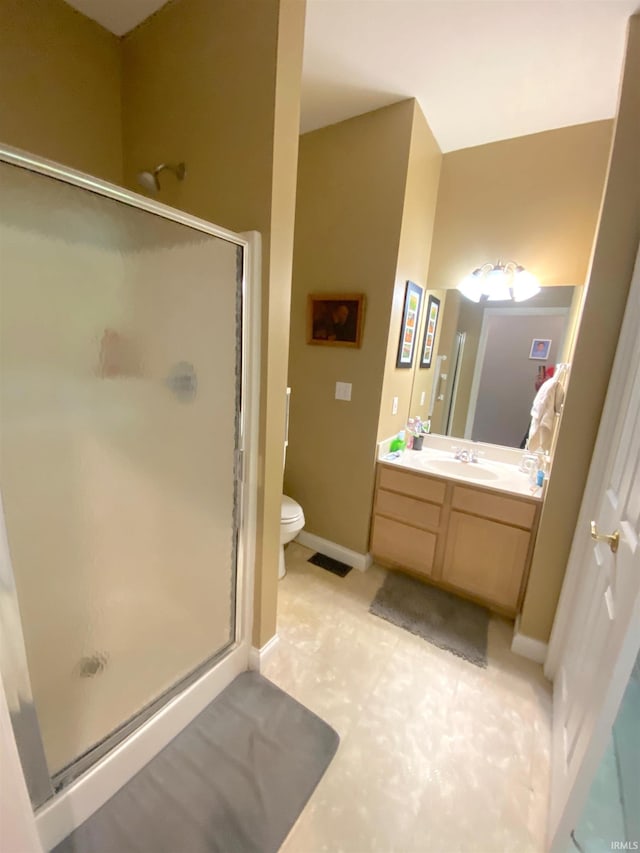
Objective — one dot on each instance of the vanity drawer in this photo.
(403, 546)
(507, 510)
(414, 485)
(408, 509)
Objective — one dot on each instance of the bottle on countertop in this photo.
(398, 443)
(410, 433)
(418, 434)
(536, 471)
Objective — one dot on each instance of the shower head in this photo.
(150, 180)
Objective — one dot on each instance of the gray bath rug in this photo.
(234, 781)
(443, 619)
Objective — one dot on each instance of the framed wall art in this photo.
(430, 327)
(409, 327)
(540, 348)
(335, 319)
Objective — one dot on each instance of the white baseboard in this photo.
(259, 657)
(337, 552)
(528, 647)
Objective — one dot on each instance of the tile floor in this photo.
(436, 754)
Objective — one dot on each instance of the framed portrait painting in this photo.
(540, 348)
(409, 326)
(335, 319)
(430, 327)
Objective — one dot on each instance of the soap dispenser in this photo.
(398, 443)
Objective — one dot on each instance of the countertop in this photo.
(487, 473)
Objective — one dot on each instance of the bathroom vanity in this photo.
(468, 527)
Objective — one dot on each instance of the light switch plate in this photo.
(343, 391)
(394, 406)
(422, 396)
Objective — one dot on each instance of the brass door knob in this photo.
(612, 538)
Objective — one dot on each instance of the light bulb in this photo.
(471, 287)
(496, 285)
(525, 285)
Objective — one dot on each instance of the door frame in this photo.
(456, 366)
(67, 809)
(566, 612)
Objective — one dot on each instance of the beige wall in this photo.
(350, 203)
(612, 264)
(276, 312)
(573, 323)
(534, 199)
(414, 251)
(217, 85)
(61, 81)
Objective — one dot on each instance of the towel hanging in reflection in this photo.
(546, 405)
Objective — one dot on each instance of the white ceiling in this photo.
(119, 16)
(482, 70)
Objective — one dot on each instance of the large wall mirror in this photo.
(482, 379)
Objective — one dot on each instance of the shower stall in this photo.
(126, 435)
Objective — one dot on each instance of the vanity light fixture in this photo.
(499, 282)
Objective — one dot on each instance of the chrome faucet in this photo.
(464, 455)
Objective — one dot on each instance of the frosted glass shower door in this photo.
(120, 389)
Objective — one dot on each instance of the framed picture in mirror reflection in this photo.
(430, 328)
(540, 348)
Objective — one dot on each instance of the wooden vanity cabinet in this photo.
(466, 538)
(407, 520)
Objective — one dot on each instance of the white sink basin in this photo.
(457, 468)
(489, 473)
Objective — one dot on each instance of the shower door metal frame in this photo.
(44, 788)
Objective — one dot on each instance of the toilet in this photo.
(291, 523)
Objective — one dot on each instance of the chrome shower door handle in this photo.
(612, 538)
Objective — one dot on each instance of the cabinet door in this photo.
(403, 546)
(485, 558)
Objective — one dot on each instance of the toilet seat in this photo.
(290, 510)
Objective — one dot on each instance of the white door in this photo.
(603, 633)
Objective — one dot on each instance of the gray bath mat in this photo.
(234, 781)
(443, 619)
